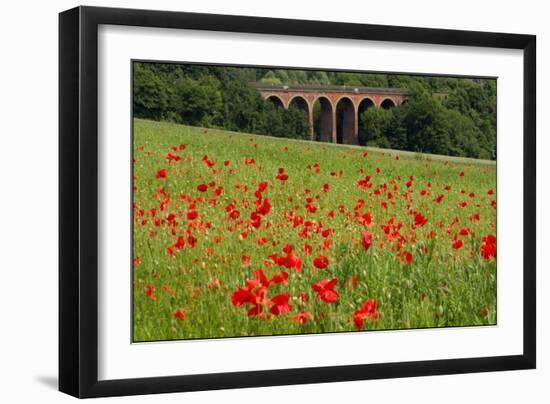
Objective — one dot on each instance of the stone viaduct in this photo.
(351, 101)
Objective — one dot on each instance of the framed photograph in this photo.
(251, 201)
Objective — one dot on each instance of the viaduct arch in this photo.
(339, 106)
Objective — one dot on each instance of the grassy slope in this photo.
(442, 286)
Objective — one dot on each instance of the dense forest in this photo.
(463, 123)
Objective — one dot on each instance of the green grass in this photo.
(441, 287)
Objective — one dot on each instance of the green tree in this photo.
(198, 102)
(151, 94)
(374, 127)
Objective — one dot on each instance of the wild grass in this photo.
(442, 286)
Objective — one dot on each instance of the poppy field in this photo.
(245, 235)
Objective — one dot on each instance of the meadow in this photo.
(245, 235)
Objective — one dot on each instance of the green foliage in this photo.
(374, 124)
(212, 97)
(152, 95)
(425, 125)
(198, 101)
(446, 115)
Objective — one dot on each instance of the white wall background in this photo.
(28, 208)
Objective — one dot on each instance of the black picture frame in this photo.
(78, 201)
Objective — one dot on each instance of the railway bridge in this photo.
(348, 101)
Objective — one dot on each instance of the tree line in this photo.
(463, 123)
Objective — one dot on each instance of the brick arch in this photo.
(276, 100)
(299, 97)
(350, 97)
(323, 96)
(388, 102)
(366, 99)
(327, 118)
(308, 109)
(363, 104)
(346, 121)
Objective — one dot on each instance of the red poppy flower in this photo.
(461, 174)
(180, 313)
(489, 247)
(290, 261)
(325, 290)
(367, 239)
(301, 318)
(192, 215)
(279, 278)
(420, 220)
(180, 243)
(368, 309)
(192, 240)
(202, 187)
(293, 261)
(255, 220)
(371, 308)
(457, 244)
(320, 262)
(364, 182)
(359, 320)
(264, 208)
(208, 162)
(172, 157)
(246, 260)
(241, 296)
(256, 310)
(439, 198)
(279, 304)
(150, 291)
(464, 231)
(262, 186)
(475, 217)
(406, 257)
(259, 275)
(162, 173)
